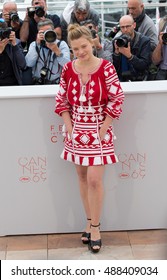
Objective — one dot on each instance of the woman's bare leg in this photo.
(95, 197)
(83, 184)
(91, 190)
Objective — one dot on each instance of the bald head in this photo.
(135, 7)
(127, 25)
(9, 6)
(127, 19)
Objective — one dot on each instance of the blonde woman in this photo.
(89, 99)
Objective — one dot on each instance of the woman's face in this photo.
(82, 48)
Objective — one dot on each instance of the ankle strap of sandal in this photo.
(95, 225)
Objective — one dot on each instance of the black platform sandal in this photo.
(94, 243)
(86, 235)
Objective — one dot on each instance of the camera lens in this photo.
(164, 38)
(50, 36)
(14, 17)
(5, 33)
(121, 42)
(39, 11)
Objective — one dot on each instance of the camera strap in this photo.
(46, 60)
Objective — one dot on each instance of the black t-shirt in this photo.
(7, 76)
(33, 27)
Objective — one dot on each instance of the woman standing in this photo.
(89, 98)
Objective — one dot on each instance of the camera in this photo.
(50, 36)
(164, 38)
(43, 75)
(14, 17)
(110, 33)
(93, 33)
(38, 10)
(5, 32)
(123, 41)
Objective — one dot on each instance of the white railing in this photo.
(106, 5)
(110, 11)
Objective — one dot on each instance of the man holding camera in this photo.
(34, 14)
(159, 56)
(12, 60)
(76, 12)
(47, 55)
(102, 48)
(11, 17)
(132, 52)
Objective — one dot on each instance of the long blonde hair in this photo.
(75, 31)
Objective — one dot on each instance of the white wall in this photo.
(39, 191)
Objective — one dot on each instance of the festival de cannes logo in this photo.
(56, 132)
(32, 169)
(133, 165)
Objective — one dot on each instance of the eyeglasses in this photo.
(125, 26)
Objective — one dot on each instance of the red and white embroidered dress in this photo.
(88, 105)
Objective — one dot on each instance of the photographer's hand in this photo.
(15, 25)
(40, 36)
(116, 47)
(6, 17)
(96, 42)
(54, 48)
(37, 19)
(160, 38)
(3, 44)
(126, 51)
(12, 38)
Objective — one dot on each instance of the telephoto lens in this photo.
(50, 36)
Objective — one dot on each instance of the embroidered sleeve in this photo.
(61, 99)
(115, 92)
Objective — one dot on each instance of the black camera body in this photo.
(93, 33)
(14, 16)
(5, 32)
(38, 10)
(164, 38)
(43, 74)
(123, 40)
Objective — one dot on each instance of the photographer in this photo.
(159, 56)
(47, 55)
(11, 17)
(12, 60)
(144, 24)
(132, 52)
(34, 14)
(103, 48)
(76, 12)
